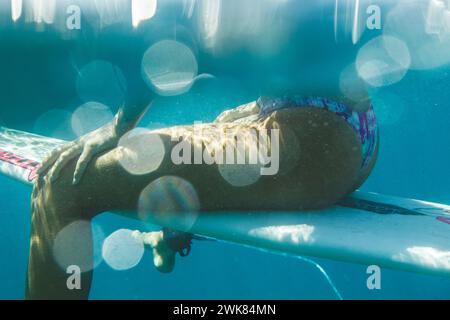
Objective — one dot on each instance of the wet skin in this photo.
(320, 161)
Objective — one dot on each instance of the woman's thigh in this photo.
(319, 160)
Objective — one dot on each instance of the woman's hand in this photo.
(85, 148)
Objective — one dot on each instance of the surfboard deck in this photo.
(364, 228)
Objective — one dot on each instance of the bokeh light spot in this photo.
(141, 151)
(169, 67)
(383, 61)
(123, 249)
(78, 244)
(90, 116)
(170, 201)
(351, 85)
(422, 26)
(240, 175)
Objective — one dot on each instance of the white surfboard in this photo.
(366, 228)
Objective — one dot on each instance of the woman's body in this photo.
(321, 159)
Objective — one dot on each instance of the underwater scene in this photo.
(117, 176)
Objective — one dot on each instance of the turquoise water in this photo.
(297, 53)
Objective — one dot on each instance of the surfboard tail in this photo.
(21, 153)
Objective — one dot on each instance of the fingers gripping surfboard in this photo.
(366, 228)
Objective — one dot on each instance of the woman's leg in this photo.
(58, 204)
(55, 206)
(319, 157)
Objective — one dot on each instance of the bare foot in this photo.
(163, 255)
